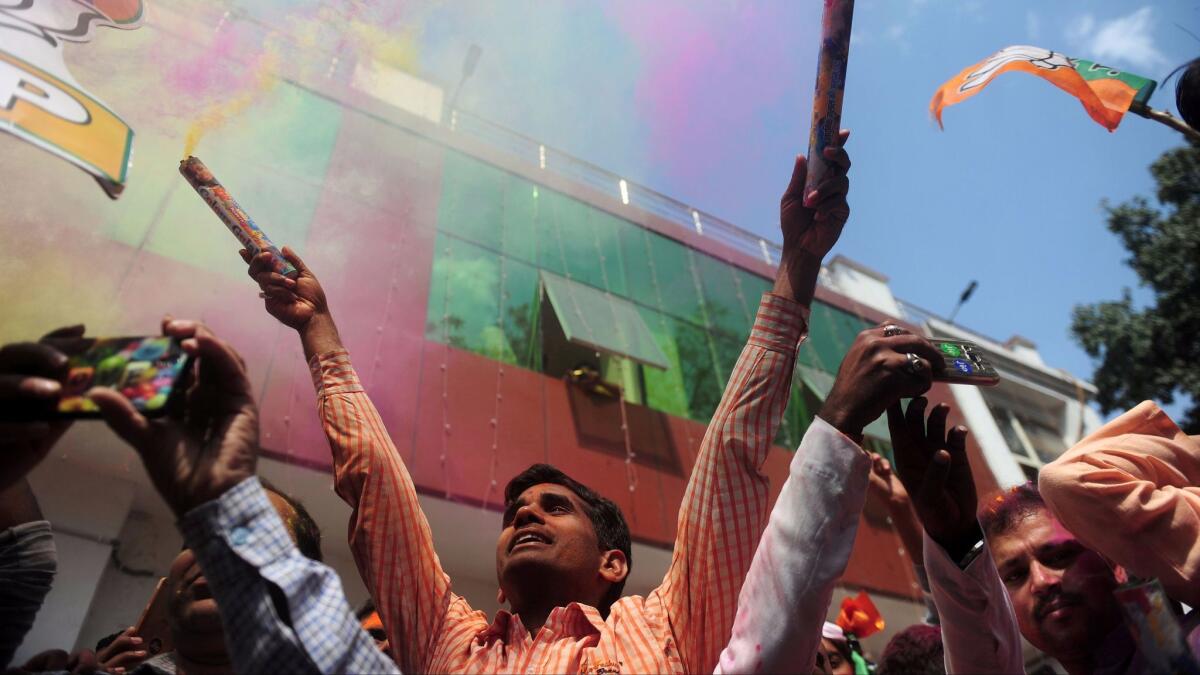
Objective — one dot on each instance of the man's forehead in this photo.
(534, 492)
(1030, 532)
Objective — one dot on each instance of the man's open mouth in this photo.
(528, 537)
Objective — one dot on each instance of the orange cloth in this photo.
(1131, 491)
(859, 616)
(1105, 100)
(681, 626)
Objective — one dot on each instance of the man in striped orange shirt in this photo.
(563, 556)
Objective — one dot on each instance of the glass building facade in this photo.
(496, 231)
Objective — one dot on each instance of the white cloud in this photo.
(896, 31)
(1125, 40)
(1033, 26)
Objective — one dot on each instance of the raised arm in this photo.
(807, 543)
(1131, 491)
(389, 534)
(724, 507)
(319, 633)
(979, 630)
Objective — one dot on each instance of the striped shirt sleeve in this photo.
(244, 549)
(389, 535)
(724, 509)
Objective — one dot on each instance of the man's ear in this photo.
(613, 566)
(500, 599)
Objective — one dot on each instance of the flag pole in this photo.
(1166, 118)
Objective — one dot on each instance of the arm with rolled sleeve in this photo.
(244, 549)
(802, 554)
(979, 629)
(724, 508)
(1131, 490)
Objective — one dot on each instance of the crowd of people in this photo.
(1111, 527)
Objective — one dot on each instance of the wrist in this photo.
(959, 543)
(796, 277)
(319, 335)
(843, 421)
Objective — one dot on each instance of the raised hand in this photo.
(208, 446)
(125, 651)
(31, 376)
(885, 363)
(294, 302)
(934, 469)
(813, 222)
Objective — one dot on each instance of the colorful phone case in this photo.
(146, 370)
(965, 364)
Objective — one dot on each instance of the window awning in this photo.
(602, 321)
(820, 383)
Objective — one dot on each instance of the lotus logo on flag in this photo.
(42, 103)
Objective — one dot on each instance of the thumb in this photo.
(795, 188)
(120, 416)
(294, 258)
(936, 476)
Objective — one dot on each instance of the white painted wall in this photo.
(978, 417)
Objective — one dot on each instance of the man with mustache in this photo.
(1061, 591)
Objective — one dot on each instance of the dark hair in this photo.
(917, 649)
(1002, 512)
(611, 530)
(367, 609)
(304, 528)
(1187, 93)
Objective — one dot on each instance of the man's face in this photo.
(547, 531)
(1061, 592)
(192, 611)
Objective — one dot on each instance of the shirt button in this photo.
(239, 536)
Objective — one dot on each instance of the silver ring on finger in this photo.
(892, 329)
(915, 365)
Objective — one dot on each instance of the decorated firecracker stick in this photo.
(831, 82)
(230, 213)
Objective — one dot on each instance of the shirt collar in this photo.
(576, 620)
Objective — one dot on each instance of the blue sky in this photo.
(707, 102)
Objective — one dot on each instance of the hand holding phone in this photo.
(965, 364)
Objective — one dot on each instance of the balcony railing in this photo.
(545, 157)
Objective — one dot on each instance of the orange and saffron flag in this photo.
(1106, 93)
(859, 616)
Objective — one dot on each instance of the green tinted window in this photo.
(665, 389)
(472, 200)
(521, 303)
(671, 264)
(464, 299)
(519, 220)
(724, 305)
(752, 287)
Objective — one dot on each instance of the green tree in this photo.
(1153, 352)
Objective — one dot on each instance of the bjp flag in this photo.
(41, 103)
(1106, 93)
